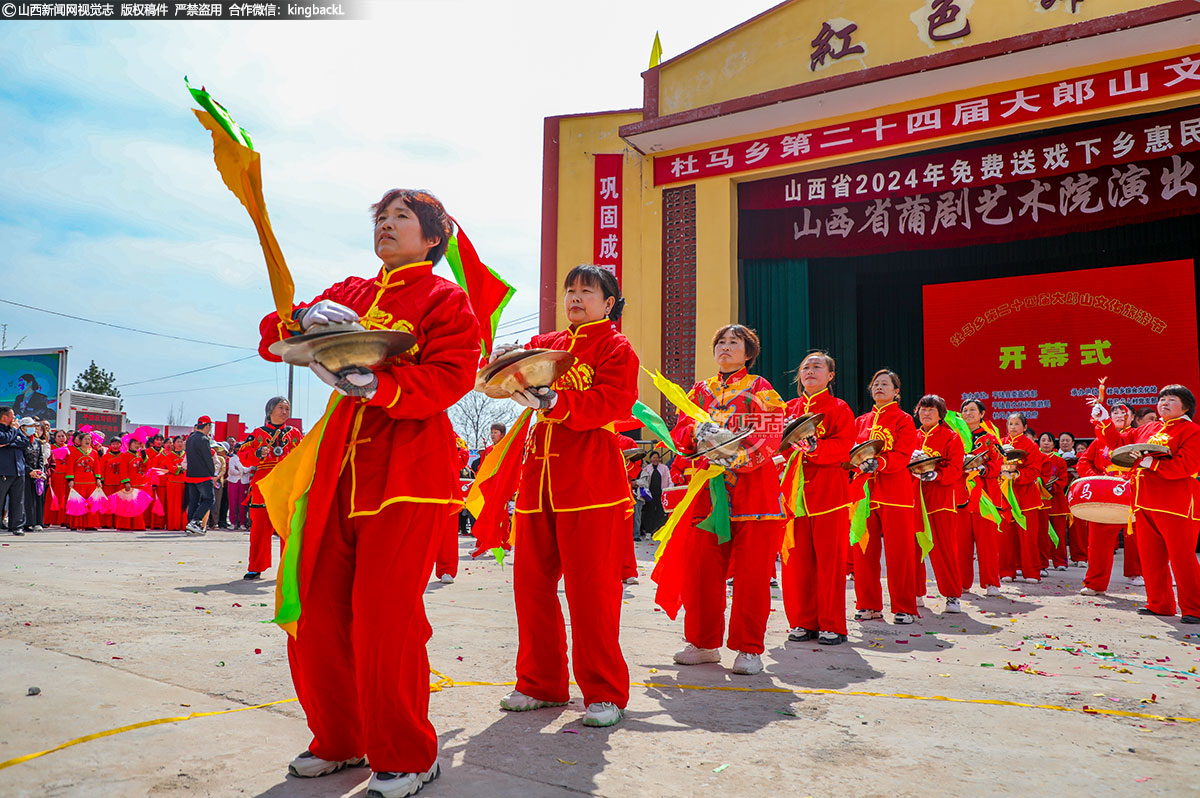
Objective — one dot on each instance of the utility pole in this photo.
(291, 378)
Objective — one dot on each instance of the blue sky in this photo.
(111, 207)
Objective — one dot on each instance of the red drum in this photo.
(672, 497)
(1104, 500)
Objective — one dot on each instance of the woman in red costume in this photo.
(1102, 538)
(384, 489)
(174, 485)
(81, 469)
(110, 472)
(1165, 492)
(736, 400)
(935, 438)
(133, 473)
(571, 522)
(978, 535)
(156, 463)
(56, 501)
(265, 447)
(1019, 547)
(1055, 514)
(892, 499)
(817, 494)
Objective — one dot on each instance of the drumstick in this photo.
(1101, 395)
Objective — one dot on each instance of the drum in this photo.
(1104, 500)
(672, 497)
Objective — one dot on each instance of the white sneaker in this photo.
(850, 577)
(868, 615)
(446, 579)
(1087, 591)
(1060, 567)
(1079, 563)
(633, 580)
(516, 701)
(903, 618)
(37, 527)
(398, 785)
(694, 655)
(798, 634)
(1136, 580)
(1044, 572)
(992, 590)
(1030, 580)
(602, 713)
(952, 605)
(1006, 579)
(747, 664)
(308, 765)
(920, 601)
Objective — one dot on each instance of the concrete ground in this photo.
(116, 628)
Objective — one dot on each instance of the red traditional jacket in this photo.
(269, 437)
(985, 479)
(734, 401)
(1096, 459)
(133, 469)
(632, 470)
(1025, 485)
(400, 445)
(1169, 484)
(172, 461)
(82, 468)
(572, 453)
(110, 468)
(1055, 467)
(891, 484)
(826, 484)
(941, 441)
(160, 460)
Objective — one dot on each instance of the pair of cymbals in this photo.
(522, 369)
(800, 428)
(864, 452)
(925, 464)
(1127, 456)
(342, 346)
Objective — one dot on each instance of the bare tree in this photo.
(474, 415)
(175, 417)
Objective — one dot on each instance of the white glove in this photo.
(502, 349)
(724, 462)
(544, 398)
(1146, 462)
(869, 466)
(325, 312)
(1099, 412)
(928, 476)
(359, 383)
(916, 453)
(705, 430)
(808, 445)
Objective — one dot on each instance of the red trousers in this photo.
(1167, 543)
(943, 556)
(1132, 561)
(87, 520)
(109, 520)
(814, 576)
(261, 533)
(358, 659)
(176, 507)
(153, 519)
(979, 536)
(752, 549)
(1019, 547)
(1102, 543)
(1077, 540)
(894, 526)
(447, 553)
(1049, 553)
(585, 550)
(629, 567)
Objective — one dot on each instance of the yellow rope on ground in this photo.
(444, 681)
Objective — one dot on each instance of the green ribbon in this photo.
(222, 117)
(718, 520)
(925, 531)
(1018, 516)
(799, 508)
(653, 422)
(858, 521)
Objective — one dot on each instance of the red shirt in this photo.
(401, 444)
(826, 483)
(734, 401)
(133, 469)
(891, 484)
(1169, 484)
(944, 442)
(572, 453)
(110, 468)
(81, 467)
(1025, 485)
(987, 478)
(1053, 465)
(266, 437)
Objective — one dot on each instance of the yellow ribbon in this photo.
(699, 482)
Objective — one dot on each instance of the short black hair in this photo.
(1024, 420)
(978, 403)
(749, 338)
(934, 401)
(598, 277)
(498, 427)
(4, 411)
(1185, 396)
(435, 222)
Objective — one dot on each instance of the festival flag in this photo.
(956, 423)
(241, 170)
(678, 397)
(487, 291)
(654, 422)
(925, 530)
(494, 485)
(655, 51)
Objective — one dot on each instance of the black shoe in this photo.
(252, 575)
(831, 639)
(800, 634)
(1189, 619)
(18, 532)
(1147, 611)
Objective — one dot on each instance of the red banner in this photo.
(1040, 103)
(1086, 200)
(1039, 344)
(1045, 156)
(607, 244)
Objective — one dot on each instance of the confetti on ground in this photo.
(565, 762)
(720, 768)
(569, 731)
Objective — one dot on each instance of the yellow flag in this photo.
(678, 397)
(241, 170)
(655, 51)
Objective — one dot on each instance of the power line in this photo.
(122, 327)
(182, 373)
(194, 390)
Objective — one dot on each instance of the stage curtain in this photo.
(775, 303)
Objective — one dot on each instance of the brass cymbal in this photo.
(340, 346)
(923, 465)
(864, 451)
(533, 368)
(727, 449)
(1127, 456)
(800, 428)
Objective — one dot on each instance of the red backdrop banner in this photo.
(607, 243)
(1039, 344)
